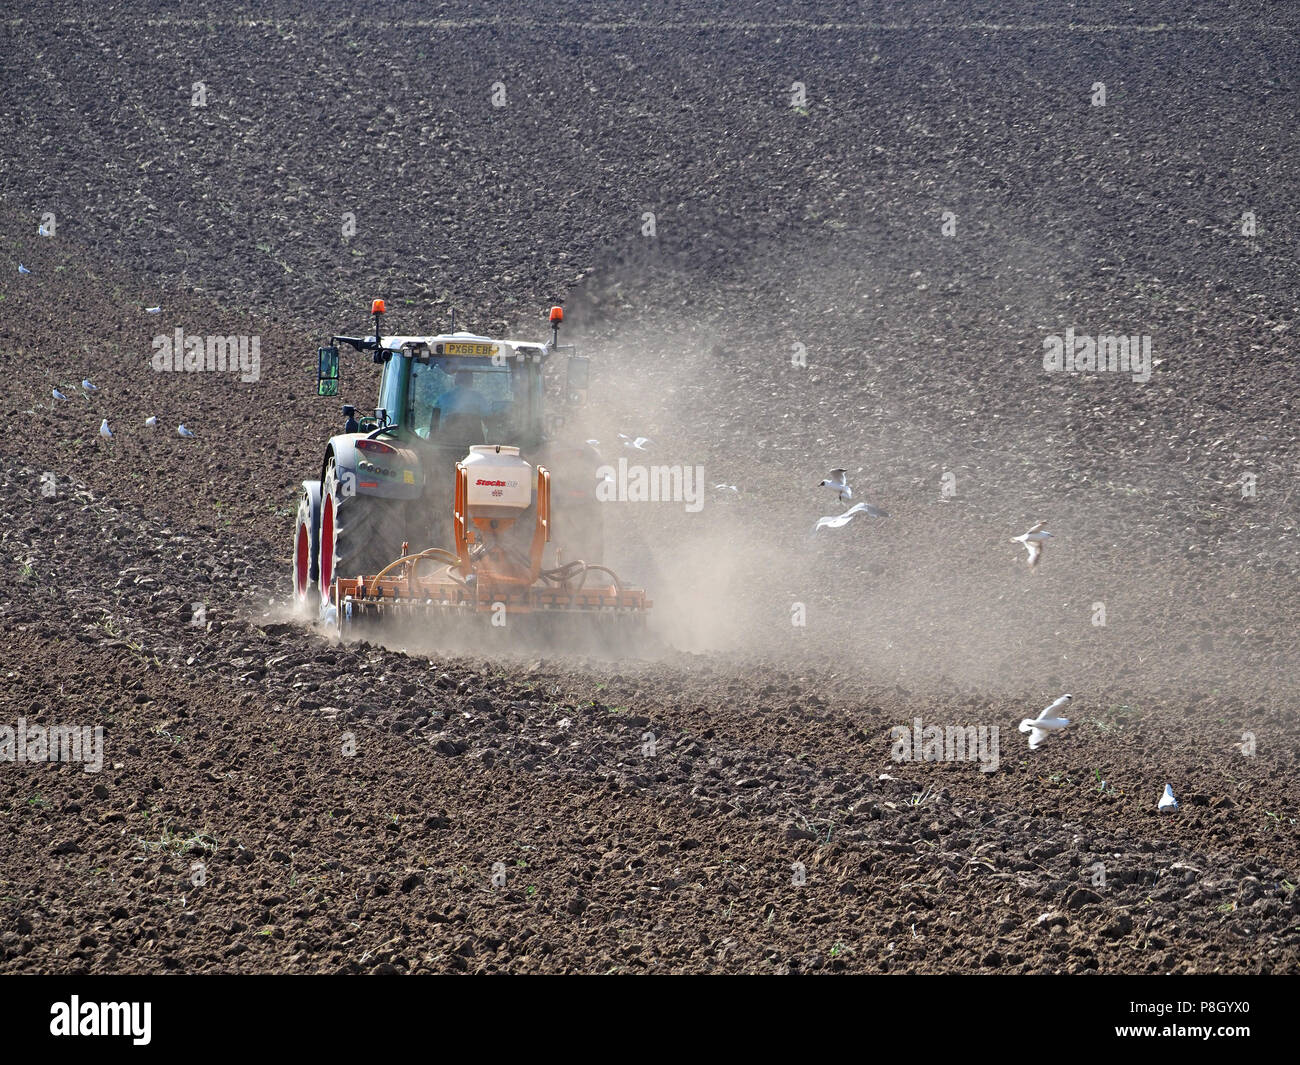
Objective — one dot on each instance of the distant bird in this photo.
(153, 310)
(593, 443)
(838, 482)
(22, 269)
(639, 443)
(853, 511)
(1039, 727)
(1167, 804)
(151, 422)
(88, 386)
(105, 431)
(182, 431)
(730, 489)
(57, 394)
(1034, 541)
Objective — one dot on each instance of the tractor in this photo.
(456, 496)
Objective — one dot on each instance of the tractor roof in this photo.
(396, 343)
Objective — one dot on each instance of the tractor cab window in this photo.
(468, 401)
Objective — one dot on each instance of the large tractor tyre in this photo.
(306, 551)
(359, 535)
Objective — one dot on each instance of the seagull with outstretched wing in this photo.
(1034, 541)
(838, 482)
(1047, 722)
(838, 522)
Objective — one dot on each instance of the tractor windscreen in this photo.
(468, 400)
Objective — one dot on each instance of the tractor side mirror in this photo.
(578, 374)
(327, 372)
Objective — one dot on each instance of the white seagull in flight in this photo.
(1038, 727)
(853, 511)
(838, 482)
(1034, 541)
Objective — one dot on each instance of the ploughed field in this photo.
(730, 799)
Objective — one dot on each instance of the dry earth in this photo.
(727, 801)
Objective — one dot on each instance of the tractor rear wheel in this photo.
(306, 551)
(359, 535)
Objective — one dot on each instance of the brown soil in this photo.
(727, 801)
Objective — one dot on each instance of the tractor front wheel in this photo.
(306, 551)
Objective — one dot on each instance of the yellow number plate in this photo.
(463, 348)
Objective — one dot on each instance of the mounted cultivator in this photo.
(392, 480)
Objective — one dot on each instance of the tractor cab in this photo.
(453, 390)
(468, 390)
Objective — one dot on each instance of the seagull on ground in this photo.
(1034, 541)
(1047, 721)
(153, 310)
(151, 422)
(105, 431)
(22, 269)
(853, 511)
(1167, 804)
(57, 394)
(182, 431)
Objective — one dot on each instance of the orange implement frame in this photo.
(484, 573)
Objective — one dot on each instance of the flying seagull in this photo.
(849, 515)
(1038, 727)
(1034, 541)
(838, 482)
(182, 431)
(105, 431)
(639, 443)
(1167, 804)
